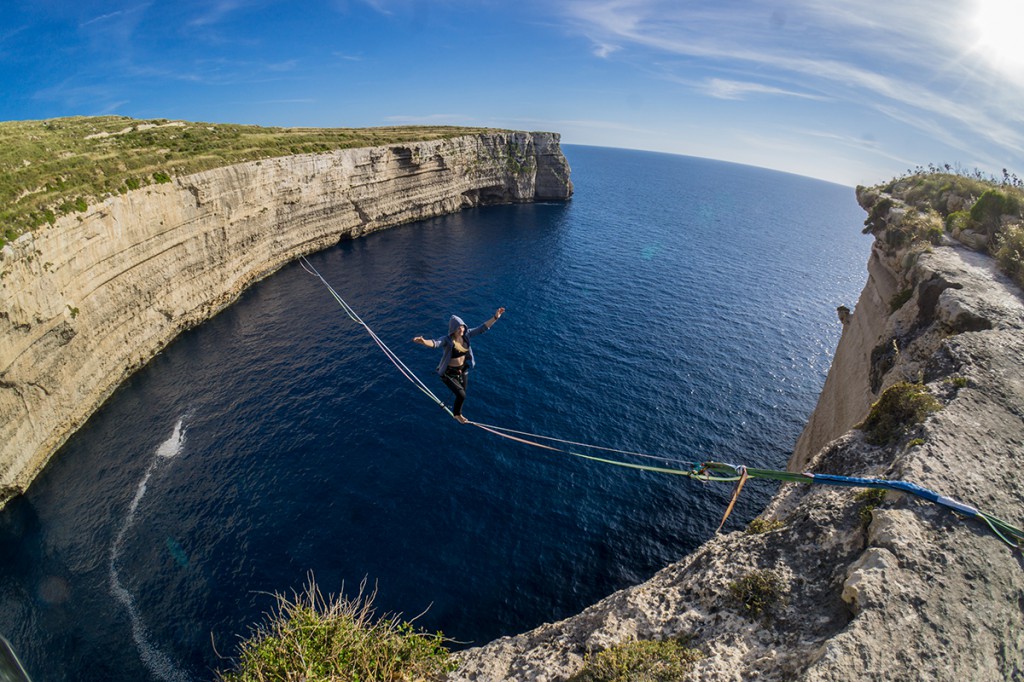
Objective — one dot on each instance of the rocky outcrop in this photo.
(86, 302)
(853, 588)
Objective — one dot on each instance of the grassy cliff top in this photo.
(924, 207)
(59, 166)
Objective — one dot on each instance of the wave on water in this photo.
(158, 662)
(173, 445)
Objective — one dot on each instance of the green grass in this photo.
(317, 639)
(61, 166)
(639, 661)
(900, 406)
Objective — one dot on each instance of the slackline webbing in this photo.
(701, 471)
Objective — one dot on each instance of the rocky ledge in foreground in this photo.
(87, 301)
(839, 585)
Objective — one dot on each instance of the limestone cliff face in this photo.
(85, 303)
(906, 591)
(848, 391)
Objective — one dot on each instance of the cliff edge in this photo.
(87, 301)
(830, 583)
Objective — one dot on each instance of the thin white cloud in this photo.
(75, 95)
(101, 18)
(280, 67)
(379, 7)
(216, 12)
(307, 100)
(114, 30)
(112, 107)
(730, 89)
(939, 132)
(218, 71)
(860, 143)
(604, 50)
(559, 124)
(13, 31)
(7, 41)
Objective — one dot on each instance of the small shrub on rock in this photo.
(758, 592)
(877, 215)
(990, 207)
(872, 499)
(1010, 252)
(924, 226)
(958, 221)
(646, 661)
(900, 298)
(900, 406)
(761, 526)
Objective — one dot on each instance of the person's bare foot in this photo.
(459, 418)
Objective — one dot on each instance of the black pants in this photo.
(457, 379)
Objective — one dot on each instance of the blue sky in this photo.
(848, 91)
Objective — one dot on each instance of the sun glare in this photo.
(1000, 40)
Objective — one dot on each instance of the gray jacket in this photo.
(446, 345)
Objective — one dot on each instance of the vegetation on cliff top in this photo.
(758, 592)
(60, 166)
(900, 407)
(639, 661)
(316, 638)
(924, 205)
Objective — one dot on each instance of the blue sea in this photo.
(675, 306)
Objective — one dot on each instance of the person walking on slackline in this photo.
(457, 357)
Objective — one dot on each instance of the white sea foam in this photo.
(173, 445)
(158, 662)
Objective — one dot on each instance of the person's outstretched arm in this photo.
(422, 341)
(497, 316)
(488, 324)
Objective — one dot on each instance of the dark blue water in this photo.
(676, 305)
